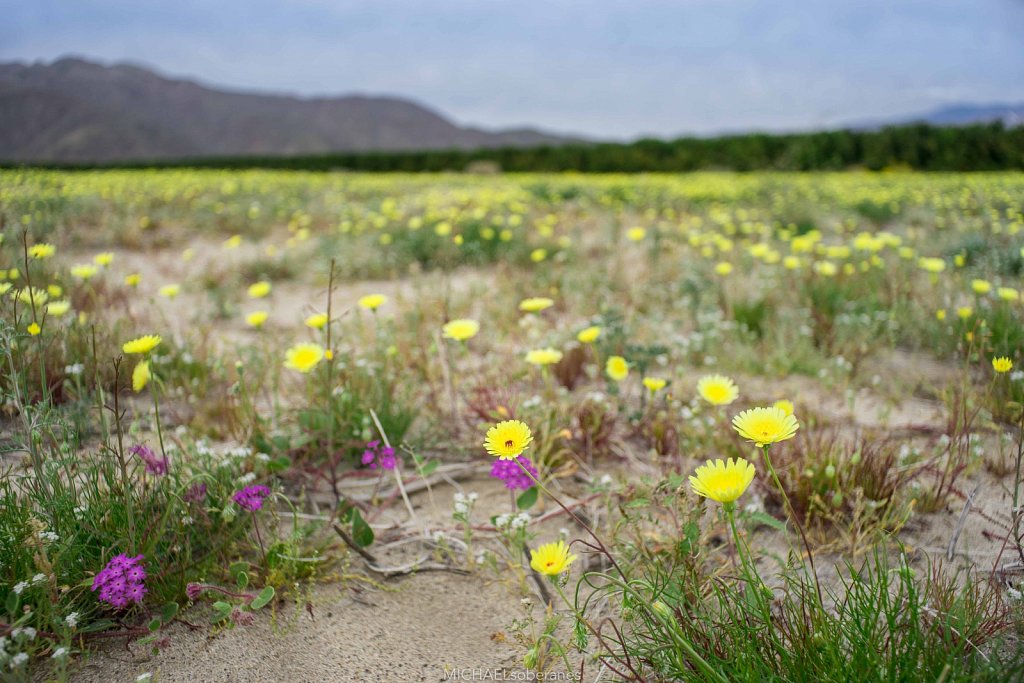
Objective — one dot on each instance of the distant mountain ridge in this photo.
(77, 110)
(959, 114)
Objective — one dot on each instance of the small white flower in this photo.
(75, 369)
(19, 587)
(18, 659)
(39, 578)
(50, 536)
(72, 619)
(247, 478)
(27, 631)
(147, 676)
(606, 480)
(59, 653)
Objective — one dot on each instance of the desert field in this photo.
(292, 426)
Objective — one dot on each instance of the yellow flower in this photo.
(940, 314)
(1008, 294)
(538, 255)
(143, 344)
(654, 383)
(258, 290)
(104, 258)
(717, 390)
(965, 312)
(786, 405)
(372, 302)
(54, 290)
(233, 242)
(188, 254)
(41, 251)
(636, 234)
(256, 319)
(461, 329)
(765, 426)
(551, 559)
(826, 268)
(507, 440)
(617, 368)
(931, 264)
(1002, 364)
(140, 376)
(169, 291)
(535, 304)
(589, 335)
(317, 321)
(5, 287)
(723, 482)
(132, 279)
(981, 286)
(723, 268)
(33, 296)
(546, 356)
(303, 357)
(34, 329)
(58, 308)
(83, 271)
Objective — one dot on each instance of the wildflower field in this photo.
(277, 425)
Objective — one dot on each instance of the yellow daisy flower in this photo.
(303, 357)
(722, 481)
(104, 258)
(589, 335)
(58, 308)
(1002, 364)
(551, 559)
(34, 329)
(654, 383)
(507, 440)
(786, 405)
(143, 344)
(461, 329)
(132, 279)
(535, 304)
(169, 291)
(140, 376)
(84, 271)
(256, 318)
(258, 290)
(718, 390)
(317, 321)
(617, 368)
(765, 426)
(372, 302)
(546, 356)
(41, 251)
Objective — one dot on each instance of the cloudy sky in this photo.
(614, 69)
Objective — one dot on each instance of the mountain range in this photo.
(75, 110)
(78, 110)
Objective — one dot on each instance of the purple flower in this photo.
(195, 494)
(154, 464)
(251, 497)
(374, 456)
(512, 474)
(122, 581)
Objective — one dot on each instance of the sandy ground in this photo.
(431, 624)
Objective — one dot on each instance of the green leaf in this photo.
(362, 534)
(237, 568)
(528, 497)
(261, 600)
(767, 520)
(155, 624)
(12, 603)
(429, 468)
(242, 579)
(170, 611)
(221, 611)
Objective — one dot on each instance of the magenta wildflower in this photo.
(155, 464)
(374, 456)
(195, 494)
(512, 474)
(251, 497)
(122, 581)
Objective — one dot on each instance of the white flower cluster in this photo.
(464, 503)
(75, 369)
(509, 522)
(34, 581)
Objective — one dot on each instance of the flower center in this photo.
(509, 443)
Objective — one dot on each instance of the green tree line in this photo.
(920, 146)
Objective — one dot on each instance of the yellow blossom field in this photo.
(269, 425)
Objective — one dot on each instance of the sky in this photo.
(608, 69)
